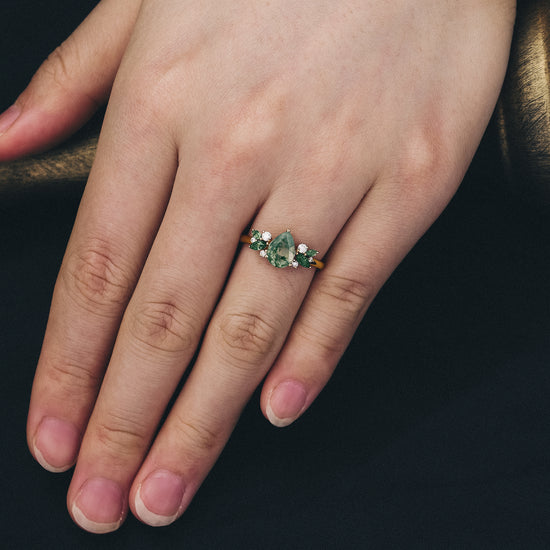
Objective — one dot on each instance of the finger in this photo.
(120, 212)
(71, 84)
(386, 225)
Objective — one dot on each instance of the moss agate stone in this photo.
(282, 250)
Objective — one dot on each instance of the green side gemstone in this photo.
(258, 245)
(303, 260)
(311, 252)
(282, 250)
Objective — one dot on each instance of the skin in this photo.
(351, 122)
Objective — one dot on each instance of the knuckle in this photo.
(198, 439)
(94, 276)
(164, 326)
(246, 337)
(121, 437)
(348, 297)
(422, 161)
(325, 342)
(63, 68)
(71, 380)
(57, 67)
(338, 306)
(251, 131)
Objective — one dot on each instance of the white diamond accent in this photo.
(295, 264)
(302, 248)
(266, 236)
(253, 239)
(263, 253)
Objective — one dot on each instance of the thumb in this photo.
(71, 84)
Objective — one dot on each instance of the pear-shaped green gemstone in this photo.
(281, 250)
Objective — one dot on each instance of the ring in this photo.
(281, 251)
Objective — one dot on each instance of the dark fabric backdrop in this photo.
(433, 433)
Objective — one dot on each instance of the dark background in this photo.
(433, 433)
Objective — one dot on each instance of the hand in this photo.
(352, 123)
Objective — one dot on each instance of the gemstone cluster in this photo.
(282, 251)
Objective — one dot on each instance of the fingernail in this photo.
(159, 498)
(56, 444)
(286, 403)
(98, 507)
(8, 117)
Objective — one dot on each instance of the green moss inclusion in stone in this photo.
(281, 250)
